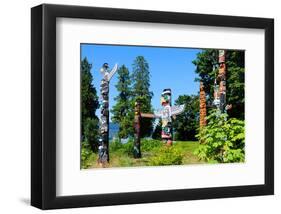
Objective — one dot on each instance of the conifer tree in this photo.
(123, 111)
(89, 105)
(140, 88)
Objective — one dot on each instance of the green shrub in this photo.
(222, 140)
(149, 144)
(166, 156)
(86, 155)
(127, 148)
(115, 145)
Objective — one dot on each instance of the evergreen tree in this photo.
(235, 63)
(89, 105)
(141, 93)
(186, 124)
(123, 111)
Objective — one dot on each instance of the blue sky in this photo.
(169, 67)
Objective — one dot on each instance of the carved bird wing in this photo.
(112, 72)
(158, 113)
(176, 110)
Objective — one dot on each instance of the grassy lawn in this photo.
(154, 153)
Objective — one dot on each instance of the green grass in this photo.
(154, 153)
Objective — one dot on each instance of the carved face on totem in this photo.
(165, 97)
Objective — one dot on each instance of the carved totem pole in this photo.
(166, 114)
(220, 89)
(222, 80)
(137, 150)
(166, 117)
(203, 108)
(104, 119)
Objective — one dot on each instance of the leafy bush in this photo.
(147, 145)
(222, 140)
(166, 156)
(120, 148)
(115, 145)
(128, 147)
(86, 154)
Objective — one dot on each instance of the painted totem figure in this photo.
(220, 89)
(216, 101)
(222, 80)
(104, 119)
(166, 115)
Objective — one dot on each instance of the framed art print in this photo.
(133, 106)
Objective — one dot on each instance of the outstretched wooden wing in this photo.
(158, 113)
(176, 110)
(112, 72)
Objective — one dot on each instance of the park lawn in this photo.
(154, 153)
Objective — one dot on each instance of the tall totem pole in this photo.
(220, 89)
(137, 150)
(222, 80)
(104, 119)
(203, 108)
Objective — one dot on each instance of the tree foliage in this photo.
(89, 105)
(186, 124)
(91, 132)
(235, 63)
(222, 140)
(123, 110)
(140, 91)
(89, 98)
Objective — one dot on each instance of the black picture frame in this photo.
(43, 106)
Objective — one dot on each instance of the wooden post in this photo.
(203, 110)
(137, 150)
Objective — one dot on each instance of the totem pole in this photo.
(216, 101)
(222, 80)
(166, 117)
(104, 119)
(203, 109)
(220, 89)
(166, 114)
